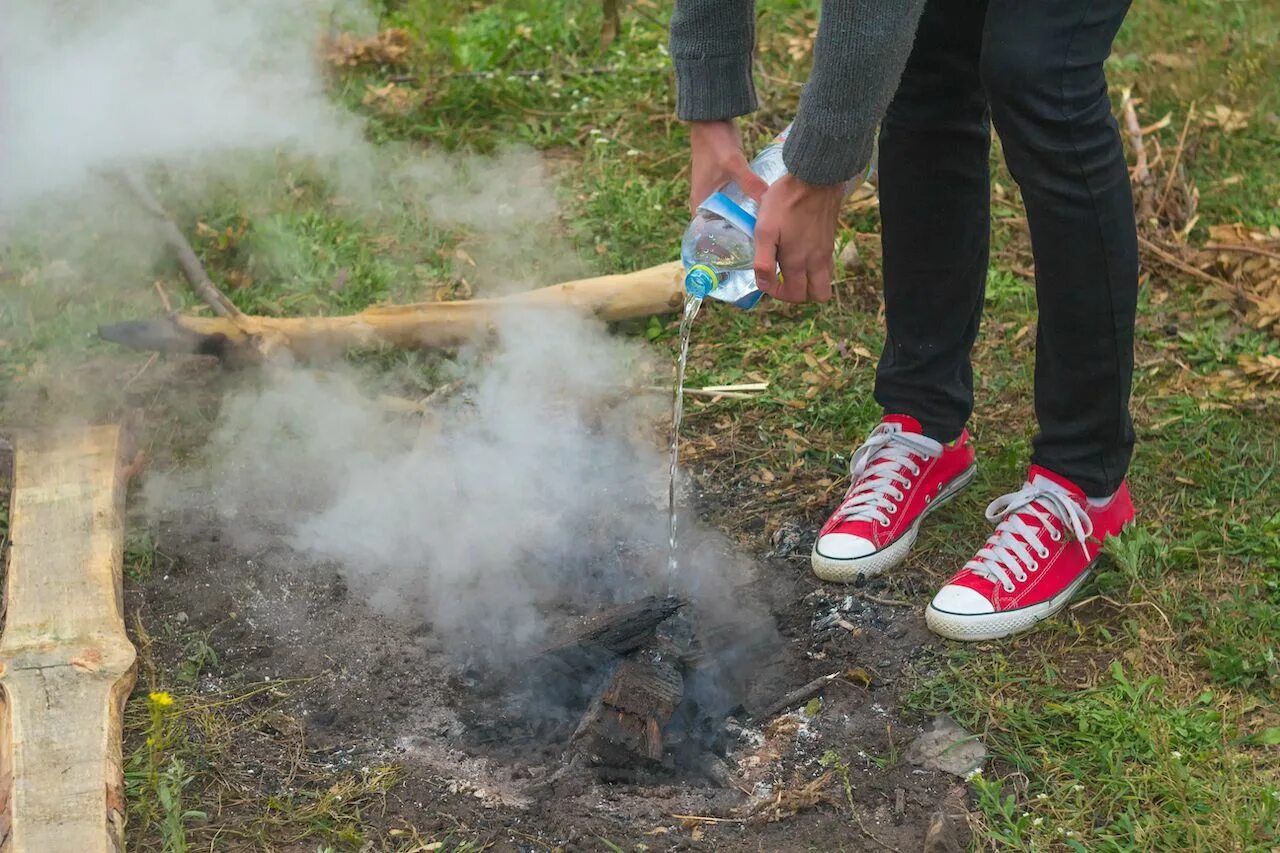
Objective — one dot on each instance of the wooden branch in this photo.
(66, 663)
(1177, 160)
(1141, 172)
(182, 251)
(249, 339)
(797, 697)
(1243, 248)
(1141, 169)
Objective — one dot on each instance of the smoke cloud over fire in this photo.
(534, 491)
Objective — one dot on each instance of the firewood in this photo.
(249, 339)
(604, 638)
(623, 727)
(66, 663)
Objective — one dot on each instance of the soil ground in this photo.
(1146, 717)
(366, 690)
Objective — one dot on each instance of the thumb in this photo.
(751, 183)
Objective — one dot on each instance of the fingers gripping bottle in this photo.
(719, 249)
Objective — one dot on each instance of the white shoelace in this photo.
(1008, 554)
(877, 468)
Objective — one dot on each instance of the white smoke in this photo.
(88, 89)
(525, 495)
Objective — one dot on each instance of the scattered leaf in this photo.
(1171, 60)
(858, 675)
(390, 98)
(1268, 737)
(1264, 368)
(1227, 119)
(348, 50)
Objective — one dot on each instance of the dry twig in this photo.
(150, 361)
(1141, 171)
(1177, 263)
(798, 696)
(1127, 605)
(790, 801)
(181, 248)
(1177, 161)
(1244, 248)
(887, 602)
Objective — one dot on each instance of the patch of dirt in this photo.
(360, 689)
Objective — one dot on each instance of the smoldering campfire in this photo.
(640, 692)
(521, 511)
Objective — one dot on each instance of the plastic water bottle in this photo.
(719, 248)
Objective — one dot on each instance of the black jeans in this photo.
(1033, 68)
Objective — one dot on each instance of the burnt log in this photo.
(609, 635)
(623, 727)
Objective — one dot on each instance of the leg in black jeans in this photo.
(935, 208)
(1040, 66)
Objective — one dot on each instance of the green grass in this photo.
(1146, 719)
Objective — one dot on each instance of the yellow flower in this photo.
(160, 698)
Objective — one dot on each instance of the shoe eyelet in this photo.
(1044, 555)
(1020, 578)
(884, 523)
(906, 487)
(1008, 589)
(1055, 536)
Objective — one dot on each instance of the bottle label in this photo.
(723, 206)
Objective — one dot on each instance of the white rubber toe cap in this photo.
(962, 600)
(844, 546)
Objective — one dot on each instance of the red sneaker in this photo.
(1048, 539)
(900, 475)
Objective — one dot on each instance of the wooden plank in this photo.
(66, 663)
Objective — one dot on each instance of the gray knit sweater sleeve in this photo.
(861, 49)
(712, 42)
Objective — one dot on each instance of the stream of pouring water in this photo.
(691, 306)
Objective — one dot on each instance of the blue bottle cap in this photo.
(700, 280)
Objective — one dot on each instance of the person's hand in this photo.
(796, 233)
(718, 159)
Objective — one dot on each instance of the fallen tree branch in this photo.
(249, 339)
(181, 248)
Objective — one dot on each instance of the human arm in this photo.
(859, 54)
(712, 42)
